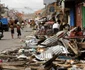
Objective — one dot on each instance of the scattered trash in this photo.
(55, 52)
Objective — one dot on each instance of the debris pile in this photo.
(57, 52)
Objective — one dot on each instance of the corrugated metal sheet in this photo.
(48, 54)
(51, 41)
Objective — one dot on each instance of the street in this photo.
(8, 43)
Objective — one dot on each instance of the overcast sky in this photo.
(24, 5)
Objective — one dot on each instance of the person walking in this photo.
(56, 27)
(12, 30)
(22, 25)
(18, 30)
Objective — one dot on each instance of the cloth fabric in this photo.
(12, 31)
(22, 23)
(56, 25)
(79, 33)
(55, 30)
(18, 23)
(19, 33)
(18, 30)
(18, 27)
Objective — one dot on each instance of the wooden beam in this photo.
(13, 67)
(17, 63)
(6, 56)
(62, 65)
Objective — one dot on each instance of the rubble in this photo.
(56, 52)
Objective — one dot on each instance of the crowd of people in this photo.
(51, 26)
(44, 26)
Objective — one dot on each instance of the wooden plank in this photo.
(13, 67)
(80, 64)
(34, 67)
(73, 48)
(13, 63)
(34, 64)
(57, 59)
(37, 68)
(6, 56)
(62, 65)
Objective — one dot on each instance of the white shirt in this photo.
(56, 25)
(22, 23)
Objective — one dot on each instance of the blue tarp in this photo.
(71, 17)
(4, 21)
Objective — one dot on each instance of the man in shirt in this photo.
(56, 26)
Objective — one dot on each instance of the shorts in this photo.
(12, 31)
(19, 32)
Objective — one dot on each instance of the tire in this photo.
(0, 38)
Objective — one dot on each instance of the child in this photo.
(12, 31)
(18, 30)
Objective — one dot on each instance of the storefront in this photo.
(71, 5)
(80, 15)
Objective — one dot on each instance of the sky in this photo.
(26, 6)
